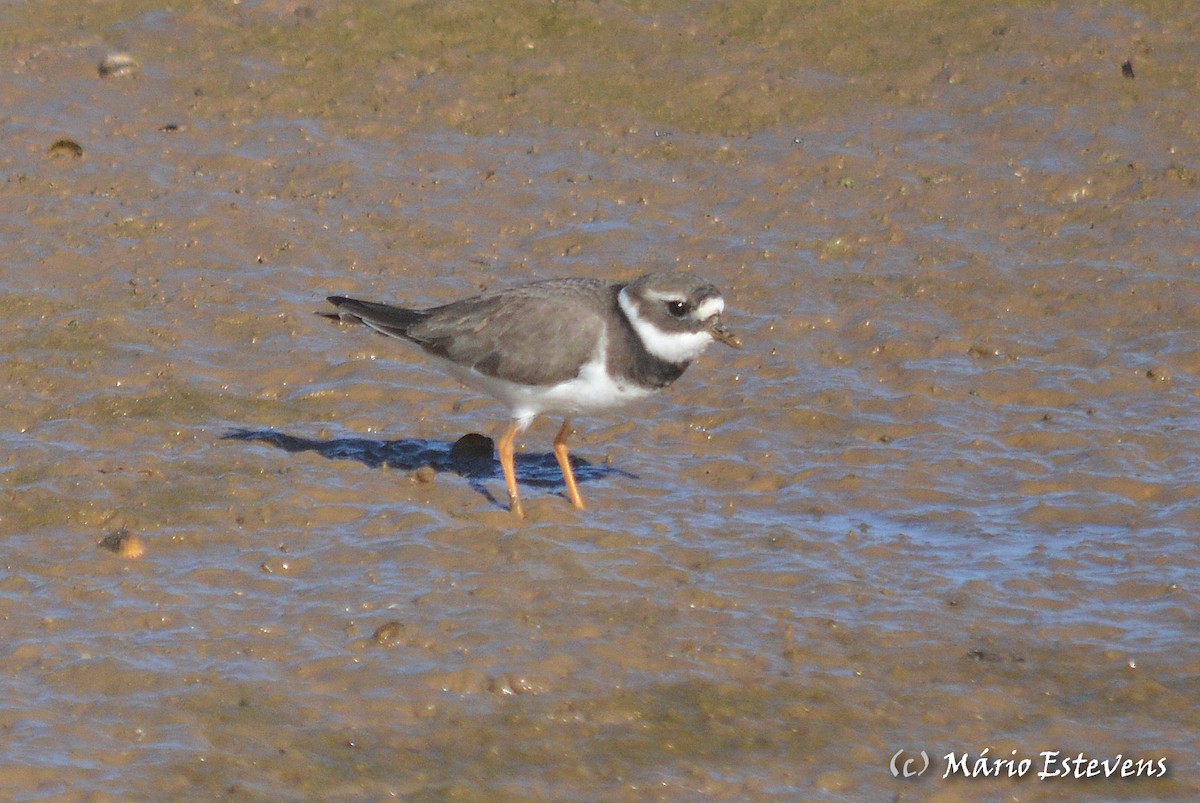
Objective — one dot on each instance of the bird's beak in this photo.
(725, 336)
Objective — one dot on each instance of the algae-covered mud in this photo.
(933, 534)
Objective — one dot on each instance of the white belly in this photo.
(591, 391)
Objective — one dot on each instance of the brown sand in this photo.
(945, 499)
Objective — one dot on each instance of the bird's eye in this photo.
(678, 308)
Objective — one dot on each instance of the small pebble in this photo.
(424, 475)
(65, 147)
(388, 634)
(473, 446)
(117, 65)
(981, 351)
(1159, 373)
(124, 543)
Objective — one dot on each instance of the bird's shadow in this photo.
(472, 457)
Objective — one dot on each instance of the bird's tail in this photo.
(384, 318)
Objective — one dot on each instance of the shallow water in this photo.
(944, 500)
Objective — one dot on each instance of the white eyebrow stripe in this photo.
(710, 307)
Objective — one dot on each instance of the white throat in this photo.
(672, 347)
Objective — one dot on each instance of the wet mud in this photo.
(945, 499)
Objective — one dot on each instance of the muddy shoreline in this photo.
(944, 500)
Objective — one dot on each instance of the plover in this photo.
(562, 346)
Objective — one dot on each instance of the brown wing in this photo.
(540, 334)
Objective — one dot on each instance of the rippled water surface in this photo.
(944, 500)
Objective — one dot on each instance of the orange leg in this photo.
(505, 448)
(564, 462)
